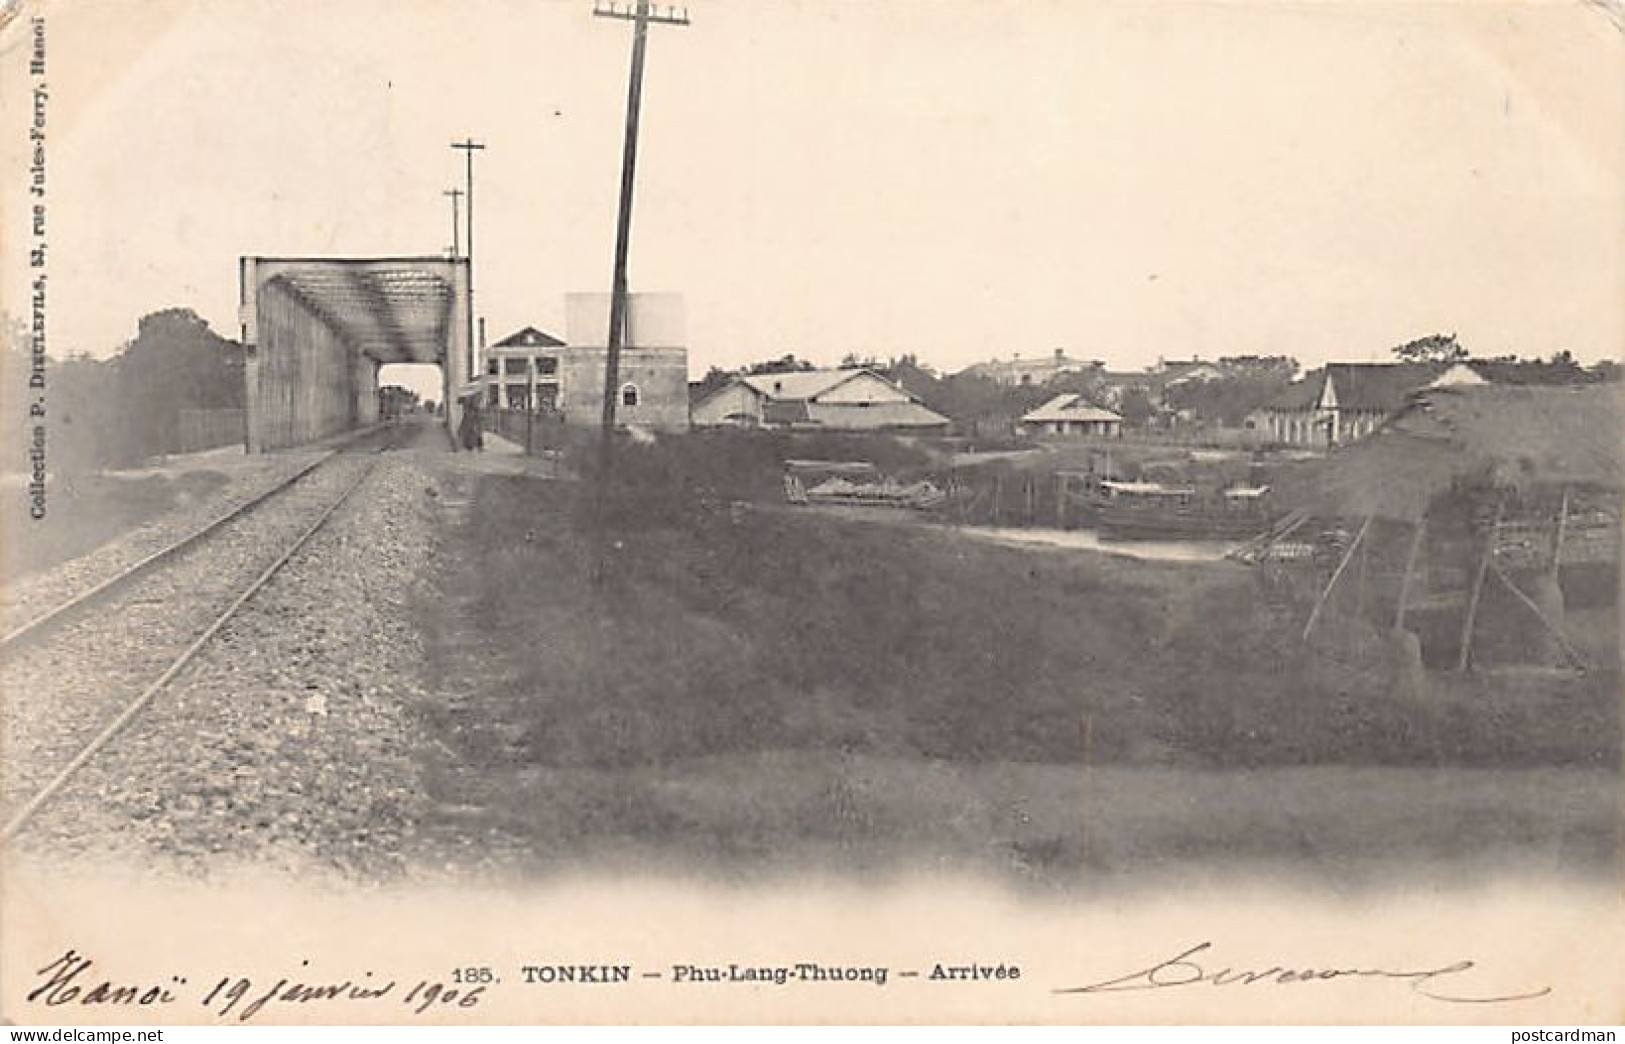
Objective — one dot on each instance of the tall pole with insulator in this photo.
(456, 234)
(469, 146)
(640, 13)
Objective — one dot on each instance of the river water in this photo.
(1089, 540)
(1041, 538)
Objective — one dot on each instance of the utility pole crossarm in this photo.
(650, 13)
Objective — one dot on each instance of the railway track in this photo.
(41, 625)
(103, 656)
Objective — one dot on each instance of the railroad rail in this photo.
(39, 626)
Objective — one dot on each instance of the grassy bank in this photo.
(757, 690)
(719, 629)
(1056, 826)
(84, 511)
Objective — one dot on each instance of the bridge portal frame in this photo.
(316, 331)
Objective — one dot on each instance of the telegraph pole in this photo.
(456, 239)
(640, 13)
(469, 147)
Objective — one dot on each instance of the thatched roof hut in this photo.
(1520, 439)
(1481, 477)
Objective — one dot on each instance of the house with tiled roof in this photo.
(1020, 373)
(1072, 415)
(1342, 402)
(1170, 372)
(819, 400)
(1154, 383)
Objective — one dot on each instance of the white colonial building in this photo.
(532, 369)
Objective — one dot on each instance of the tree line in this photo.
(1223, 393)
(118, 411)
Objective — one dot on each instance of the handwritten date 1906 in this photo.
(69, 980)
(229, 992)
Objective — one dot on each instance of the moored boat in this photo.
(1153, 511)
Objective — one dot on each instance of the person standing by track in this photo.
(470, 431)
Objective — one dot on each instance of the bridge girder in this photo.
(318, 329)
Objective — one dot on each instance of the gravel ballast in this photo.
(286, 743)
(63, 687)
(28, 597)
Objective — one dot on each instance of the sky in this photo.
(960, 179)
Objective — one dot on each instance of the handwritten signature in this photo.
(1186, 969)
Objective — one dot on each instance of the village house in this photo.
(1153, 385)
(1341, 402)
(1018, 372)
(1169, 373)
(1116, 385)
(1072, 415)
(824, 400)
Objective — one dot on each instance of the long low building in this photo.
(1342, 402)
(818, 400)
